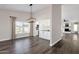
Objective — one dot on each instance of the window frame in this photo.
(27, 25)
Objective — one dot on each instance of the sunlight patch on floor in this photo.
(75, 37)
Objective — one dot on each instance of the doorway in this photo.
(75, 28)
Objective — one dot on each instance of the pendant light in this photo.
(31, 19)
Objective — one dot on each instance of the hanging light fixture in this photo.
(31, 19)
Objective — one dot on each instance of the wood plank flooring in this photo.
(34, 45)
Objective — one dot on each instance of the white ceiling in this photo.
(71, 12)
(23, 7)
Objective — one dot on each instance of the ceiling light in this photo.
(31, 19)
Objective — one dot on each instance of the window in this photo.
(22, 27)
(75, 27)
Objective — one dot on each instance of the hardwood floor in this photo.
(24, 46)
(69, 45)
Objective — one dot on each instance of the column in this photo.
(13, 33)
(56, 17)
(31, 28)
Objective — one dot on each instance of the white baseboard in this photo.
(4, 39)
(55, 42)
(44, 38)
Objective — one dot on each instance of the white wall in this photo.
(71, 12)
(43, 19)
(5, 22)
(56, 17)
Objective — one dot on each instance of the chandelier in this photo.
(31, 19)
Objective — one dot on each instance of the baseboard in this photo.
(7, 39)
(22, 37)
(4, 40)
(55, 42)
(43, 38)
